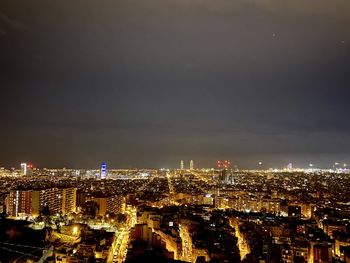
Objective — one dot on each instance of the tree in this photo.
(3, 215)
(121, 218)
(46, 211)
(90, 208)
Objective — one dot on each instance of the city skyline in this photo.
(26, 167)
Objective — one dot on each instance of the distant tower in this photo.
(103, 171)
(24, 169)
(290, 166)
(191, 165)
(224, 177)
(182, 165)
(29, 169)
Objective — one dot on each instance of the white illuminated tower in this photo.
(182, 165)
(191, 165)
(24, 169)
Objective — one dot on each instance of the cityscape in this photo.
(175, 131)
(184, 214)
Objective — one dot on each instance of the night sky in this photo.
(146, 83)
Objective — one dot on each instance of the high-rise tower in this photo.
(24, 168)
(191, 165)
(182, 165)
(103, 171)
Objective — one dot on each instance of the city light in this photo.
(75, 231)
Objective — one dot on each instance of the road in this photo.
(120, 246)
(171, 189)
(186, 243)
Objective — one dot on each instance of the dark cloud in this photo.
(8, 25)
(146, 83)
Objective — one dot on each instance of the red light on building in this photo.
(223, 164)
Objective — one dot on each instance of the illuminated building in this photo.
(191, 165)
(103, 173)
(69, 199)
(342, 241)
(300, 249)
(18, 203)
(142, 235)
(276, 230)
(220, 202)
(108, 204)
(116, 204)
(182, 165)
(320, 252)
(29, 169)
(2, 205)
(32, 202)
(224, 177)
(51, 198)
(208, 200)
(330, 226)
(287, 254)
(101, 203)
(59, 201)
(24, 169)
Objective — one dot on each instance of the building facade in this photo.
(32, 202)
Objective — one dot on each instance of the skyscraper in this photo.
(103, 174)
(182, 165)
(191, 165)
(26, 169)
(23, 168)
